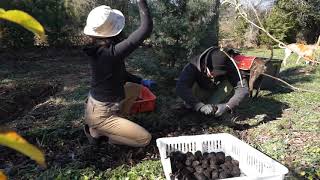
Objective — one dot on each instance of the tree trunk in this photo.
(212, 38)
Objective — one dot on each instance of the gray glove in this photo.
(204, 108)
(222, 108)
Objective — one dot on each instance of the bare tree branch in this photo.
(292, 87)
(241, 11)
(256, 13)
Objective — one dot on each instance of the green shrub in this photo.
(181, 26)
(281, 25)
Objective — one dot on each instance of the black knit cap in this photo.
(217, 61)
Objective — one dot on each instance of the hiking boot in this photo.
(94, 140)
(91, 139)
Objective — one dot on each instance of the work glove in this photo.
(148, 83)
(221, 109)
(204, 108)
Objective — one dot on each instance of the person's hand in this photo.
(148, 83)
(221, 109)
(206, 109)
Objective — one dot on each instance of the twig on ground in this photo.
(1, 108)
(291, 86)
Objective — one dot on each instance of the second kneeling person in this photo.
(211, 79)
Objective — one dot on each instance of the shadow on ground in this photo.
(262, 109)
(298, 74)
(293, 75)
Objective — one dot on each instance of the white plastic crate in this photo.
(253, 164)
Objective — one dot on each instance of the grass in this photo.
(293, 139)
(146, 170)
(283, 124)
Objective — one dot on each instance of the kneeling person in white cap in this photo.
(113, 90)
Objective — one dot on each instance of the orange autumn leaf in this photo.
(13, 140)
(2, 176)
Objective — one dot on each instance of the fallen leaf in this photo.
(13, 140)
(2, 176)
(23, 19)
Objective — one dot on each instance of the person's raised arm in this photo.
(128, 45)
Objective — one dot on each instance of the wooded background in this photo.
(182, 28)
(179, 27)
(289, 21)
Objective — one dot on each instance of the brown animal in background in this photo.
(303, 51)
(257, 69)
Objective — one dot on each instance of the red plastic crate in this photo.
(147, 102)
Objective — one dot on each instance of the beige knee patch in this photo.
(145, 141)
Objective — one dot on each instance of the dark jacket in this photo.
(107, 63)
(193, 73)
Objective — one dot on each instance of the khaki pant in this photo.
(104, 119)
(219, 95)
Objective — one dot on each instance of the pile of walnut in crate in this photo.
(204, 166)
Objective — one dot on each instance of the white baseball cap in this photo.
(103, 21)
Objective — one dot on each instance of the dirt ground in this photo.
(33, 86)
(42, 95)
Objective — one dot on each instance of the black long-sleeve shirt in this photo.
(191, 74)
(107, 63)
